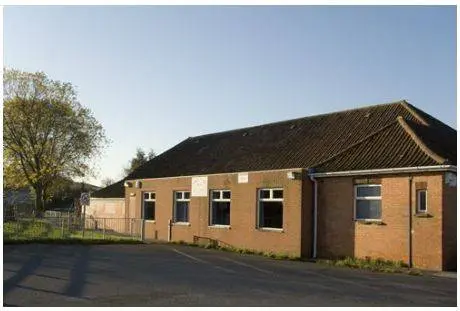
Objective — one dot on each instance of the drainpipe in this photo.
(169, 230)
(410, 222)
(315, 214)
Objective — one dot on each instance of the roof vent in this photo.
(292, 126)
(367, 115)
(245, 134)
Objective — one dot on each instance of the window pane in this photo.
(264, 194)
(226, 194)
(181, 212)
(146, 195)
(149, 210)
(368, 191)
(277, 194)
(368, 209)
(178, 195)
(152, 195)
(271, 214)
(187, 195)
(220, 213)
(422, 200)
(216, 194)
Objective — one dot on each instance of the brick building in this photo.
(377, 181)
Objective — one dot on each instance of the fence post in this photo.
(62, 228)
(103, 228)
(169, 230)
(131, 227)
(84, 222)
(142, 229)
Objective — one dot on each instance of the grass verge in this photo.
(278, 256)
(370, 264)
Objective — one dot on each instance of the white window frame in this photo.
(419, 211)
(182, 199)
(150, 199)
(356, 198)
(220, 199)
(270, 199)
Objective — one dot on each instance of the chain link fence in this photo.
(64, 225)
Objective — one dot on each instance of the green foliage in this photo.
(139, 159)
(47, 133)
(107, 181)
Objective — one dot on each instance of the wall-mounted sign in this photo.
(243, 178)
(200, 186)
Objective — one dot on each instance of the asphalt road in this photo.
(175, 275)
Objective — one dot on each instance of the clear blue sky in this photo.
(154, 76)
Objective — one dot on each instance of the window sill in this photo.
(181, 224)
(150, 221)
(219, 227)
(423, 215)
(271, 229)
(376, 222)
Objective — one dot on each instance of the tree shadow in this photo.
(78, 273)
(27, 269)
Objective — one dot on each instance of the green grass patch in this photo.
(46, 231)
(371, 264)
(228, 248)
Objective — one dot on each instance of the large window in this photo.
(181, 205)
(148, 206)
(368, 202)
(270, 214)
(421, 201)
(220, 207)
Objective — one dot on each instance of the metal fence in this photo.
(69, 226)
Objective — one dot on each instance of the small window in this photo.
(368, 202)
(421, 201)
(181, 206)
(270, 213)
(220, 207)
(148, 206)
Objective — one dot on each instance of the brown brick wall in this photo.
(449, 227)
(427, 236)
(339, 235)
(242, 232)
(307, 216)
(335, 213)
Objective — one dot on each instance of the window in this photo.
(181, 204)
(270, 214)
(220, 207)
(421, 201)
(368, 202)
(148, 206)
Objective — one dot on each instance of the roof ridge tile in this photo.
(356, 143)
(403, 123)
(338, 112)
(417, 116)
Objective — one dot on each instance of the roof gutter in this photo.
(435, 168)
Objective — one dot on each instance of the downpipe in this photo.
(315, 216)
(410, 263)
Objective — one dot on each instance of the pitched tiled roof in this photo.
(364, 138)
(116, 190)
